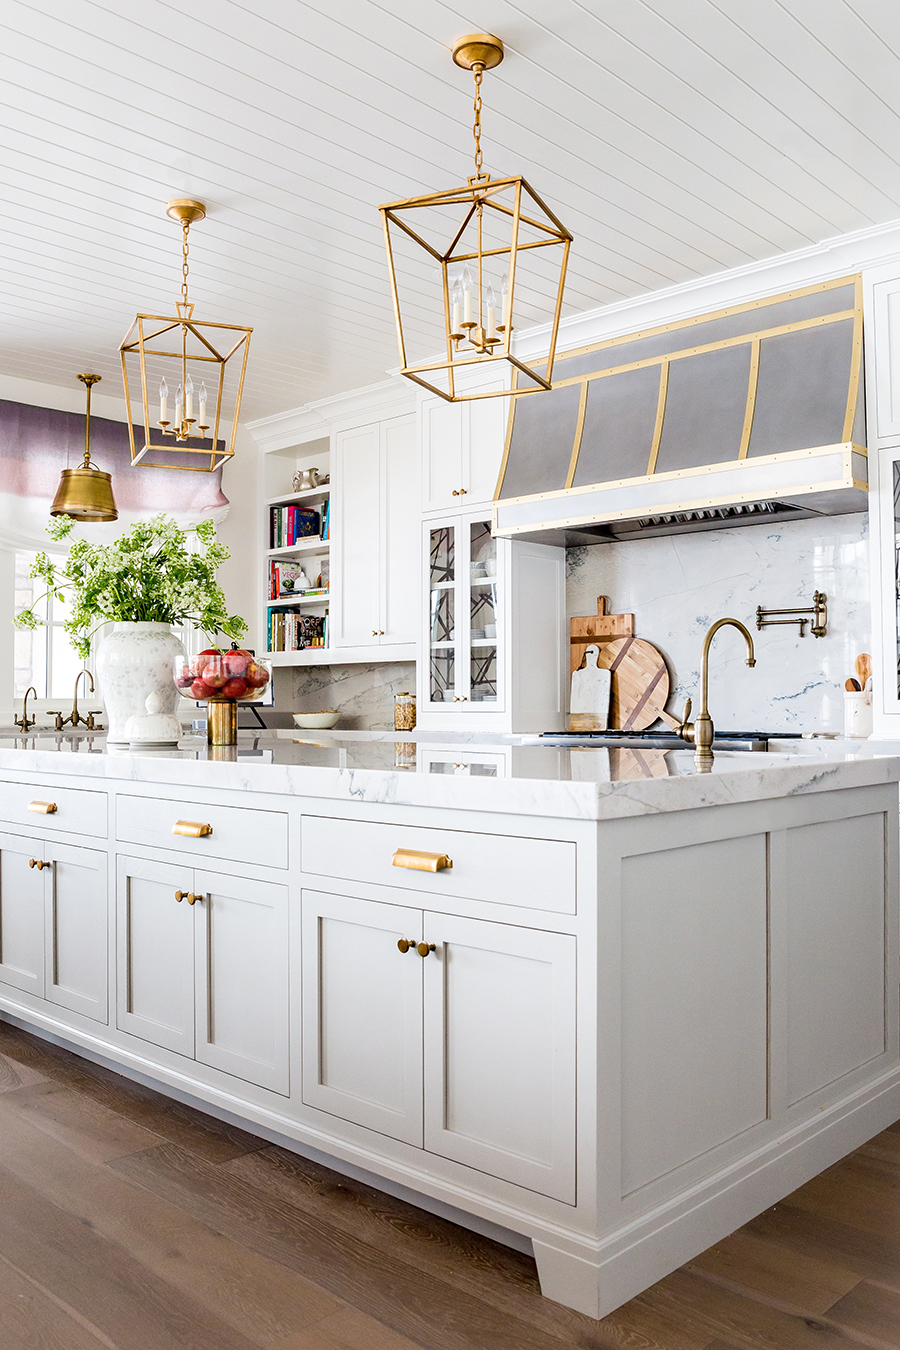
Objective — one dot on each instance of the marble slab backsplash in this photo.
(363, 693)
(678, 585)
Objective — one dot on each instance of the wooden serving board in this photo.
(596, 629)
(640, 683)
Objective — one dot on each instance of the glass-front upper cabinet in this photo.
(463, 614)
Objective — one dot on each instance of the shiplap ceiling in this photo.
(674, 138)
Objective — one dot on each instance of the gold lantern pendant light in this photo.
(186, 352)
(481, 236)
(85, 493)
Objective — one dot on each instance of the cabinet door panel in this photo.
(362, 1013)
(22, 914)
(76, 928)
(356, 552)
(500, 1051)
(399, 531)
(442, 460)
(242, 978)
(487, 434)
(155, 941)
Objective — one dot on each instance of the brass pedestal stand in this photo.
(221, 721)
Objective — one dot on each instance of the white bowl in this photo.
(317, 720)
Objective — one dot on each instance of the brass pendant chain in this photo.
(478, 72)
(184, 262)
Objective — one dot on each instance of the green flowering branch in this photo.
(146, 576)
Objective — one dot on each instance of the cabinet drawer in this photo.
(501, 869)
(77, 810)
(237, 833)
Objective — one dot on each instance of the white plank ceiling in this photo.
(674, 138)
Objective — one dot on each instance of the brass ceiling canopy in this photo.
(478, 49)
(189, 352)
(491, 226)
(85, 493)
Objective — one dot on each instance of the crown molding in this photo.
(314, 421)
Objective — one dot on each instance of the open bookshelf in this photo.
(295, 628)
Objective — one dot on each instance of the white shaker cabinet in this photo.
(362, 1013)
(374, 555)
(476, 1024)
(21, 915)
(462, 447)
(53, 923)
(205, 974)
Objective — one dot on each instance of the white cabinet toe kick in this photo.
(618, 1038)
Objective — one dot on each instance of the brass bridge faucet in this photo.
(702, 732)
(75, 716)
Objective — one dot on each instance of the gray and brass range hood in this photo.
(745, 416)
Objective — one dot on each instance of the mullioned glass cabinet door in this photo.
(463, 615)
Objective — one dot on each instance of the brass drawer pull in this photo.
(36, 862)
(188, 896)
(405, 944)
(194, 829)
(423, 948)
(420, 862)
(42, 808)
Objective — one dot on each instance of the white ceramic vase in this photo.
(135, 660)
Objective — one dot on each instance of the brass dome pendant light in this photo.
(85, 493)
(189, 351)
(493, 226)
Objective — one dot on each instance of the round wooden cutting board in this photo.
(640, 683)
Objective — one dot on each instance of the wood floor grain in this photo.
(130, 1222)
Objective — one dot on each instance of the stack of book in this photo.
(289, 524)
(290, 631)
(289, 580)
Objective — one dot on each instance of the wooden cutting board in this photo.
(589, 702)
(597, 629)
(640, 683)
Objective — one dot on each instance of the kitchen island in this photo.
(587, 999)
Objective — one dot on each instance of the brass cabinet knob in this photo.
(42, 808)
(36, 862)
(192, 899)
(179, 896)
(374, 632)
(423, 948)
(405, 943)
(463, 491)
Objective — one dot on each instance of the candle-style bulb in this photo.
(203, 394)
(504, 306)
(491, 304)
(456, 309)
(189, 398)
(467, 282)
(163, 388)
(163, 399)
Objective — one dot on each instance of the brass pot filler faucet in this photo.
(702, 732)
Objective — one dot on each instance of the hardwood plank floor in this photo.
(130, 1222)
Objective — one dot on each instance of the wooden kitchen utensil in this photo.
(863, 668)
(589, 703)
(852, 686)
(640, 684)
(598, 629)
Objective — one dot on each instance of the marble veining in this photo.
(364, 694)
(678, 585)
(531, 780)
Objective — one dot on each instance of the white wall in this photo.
(678, 585)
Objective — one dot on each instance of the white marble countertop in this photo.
(472, 774)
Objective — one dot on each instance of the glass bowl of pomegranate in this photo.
(221, 679)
